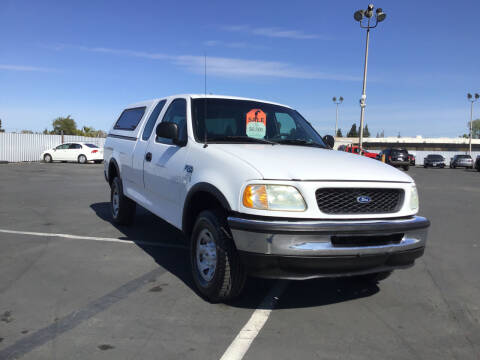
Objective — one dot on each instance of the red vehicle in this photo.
(355, 149)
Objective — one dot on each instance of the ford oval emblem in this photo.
(363, 199)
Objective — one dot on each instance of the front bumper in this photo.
(308, 249)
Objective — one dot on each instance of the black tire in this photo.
(82, 159)
(227, 279)
(375, 277)
(47, 158)
(406, 167)
(122, 208)
(424, 166)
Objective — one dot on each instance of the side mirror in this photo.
(329, 140)
(168, 130)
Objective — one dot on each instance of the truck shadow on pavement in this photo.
(298, 294)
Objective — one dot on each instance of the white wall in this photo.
(419, 155)
(29, 147)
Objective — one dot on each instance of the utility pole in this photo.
(358, 16)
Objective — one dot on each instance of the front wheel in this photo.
(82, 159)
(47, 158)
(123, 209)
(216, 267)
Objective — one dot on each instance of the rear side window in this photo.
(92, 146)
(130, 119)
(152, 120)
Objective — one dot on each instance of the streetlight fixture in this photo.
(472, 99)
(337, 102)
(368, 24)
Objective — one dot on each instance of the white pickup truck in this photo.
(257, 191)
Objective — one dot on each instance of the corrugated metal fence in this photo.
(29, 147)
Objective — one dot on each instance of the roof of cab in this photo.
(198, 96)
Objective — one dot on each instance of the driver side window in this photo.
(176, 113)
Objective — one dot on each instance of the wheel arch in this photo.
(200, 197)
(113, 170)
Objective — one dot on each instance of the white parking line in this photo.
(91, 238)
(239, 347)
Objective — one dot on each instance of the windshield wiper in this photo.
(300, 142)
(233, 138)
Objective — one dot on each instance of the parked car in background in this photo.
(411, 158)
(477, 163)
(434, 160)
(76, 151)
(355, 149)
(465, 161)
(395, 157)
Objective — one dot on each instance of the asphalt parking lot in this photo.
(74, 286)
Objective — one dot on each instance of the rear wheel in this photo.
(123, 209)
(82, 159)
(406, 167)
(216, 267)
(47, 158)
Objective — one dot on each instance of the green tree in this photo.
(366, 132)
(1, 130)
(339, 133)
(65, 124)
(353, 131)
(475, 129)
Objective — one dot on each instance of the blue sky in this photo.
(90, 58)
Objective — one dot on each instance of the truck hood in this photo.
(287, 162)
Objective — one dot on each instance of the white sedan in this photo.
(75, 151)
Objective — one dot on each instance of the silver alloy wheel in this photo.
(82, 159)
(47, 158)
(206, 255)
(115, 201)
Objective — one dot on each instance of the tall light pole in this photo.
(337, 102)
(359, 15)
(472, 99)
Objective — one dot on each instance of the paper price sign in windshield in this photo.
(256, 124)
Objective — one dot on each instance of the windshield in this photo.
(435, 157)
(244, 121)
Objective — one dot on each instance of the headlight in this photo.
(273, 197)
(413, 198)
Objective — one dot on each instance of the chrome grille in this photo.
(354, 200)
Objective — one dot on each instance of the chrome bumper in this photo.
(313, 238)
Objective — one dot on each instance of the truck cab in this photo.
(257, 191)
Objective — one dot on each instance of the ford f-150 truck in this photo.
(257, 191)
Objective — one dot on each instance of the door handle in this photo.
(148, 156)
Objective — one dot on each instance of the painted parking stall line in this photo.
(92, 238)
(242, 342)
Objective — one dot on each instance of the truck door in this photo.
(164, 165)
(137, 181)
